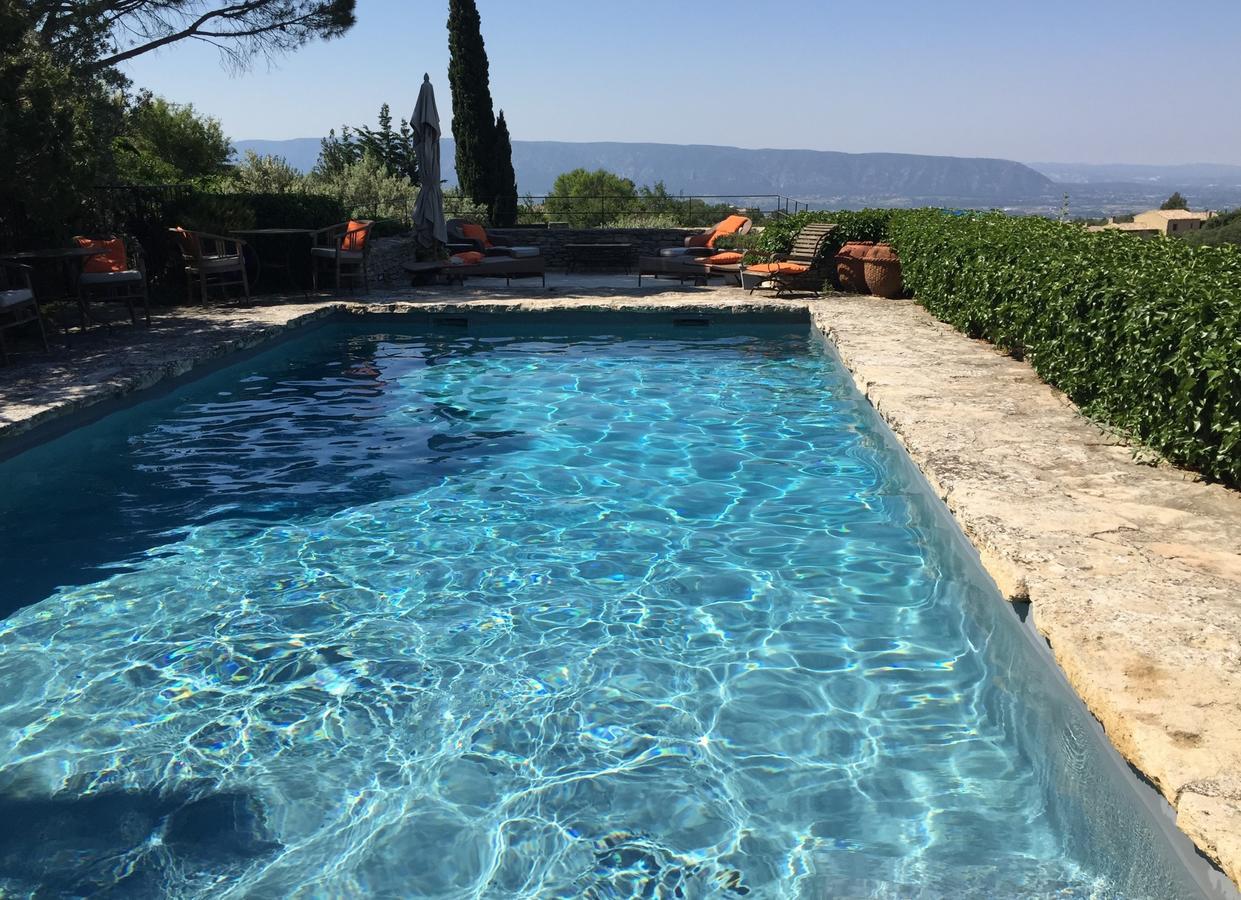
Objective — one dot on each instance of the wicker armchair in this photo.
(18, 304)
(211, 261)
(803, 268)
(342, 249)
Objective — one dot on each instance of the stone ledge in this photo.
(1133, 571)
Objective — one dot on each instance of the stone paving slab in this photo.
(1133, 571)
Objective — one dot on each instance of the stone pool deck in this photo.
(1132, 570)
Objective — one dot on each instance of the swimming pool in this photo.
(529, 607)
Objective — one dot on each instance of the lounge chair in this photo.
(18, 304)
(110, 277)
(476, 253)
(211, 260)
(694, 259)
(802, 268)
(704, 244)
(466, 236)
(472, 264)
(343, 249)
(726, 265)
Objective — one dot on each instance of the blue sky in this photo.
(1140, 81)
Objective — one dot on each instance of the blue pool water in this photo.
(463, 613)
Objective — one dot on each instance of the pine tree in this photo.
(394, 148)
(504, 213)
(337, 153)
(1176, 201)
(408, 152)
(473, 119)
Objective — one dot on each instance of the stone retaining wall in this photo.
(389, 254)
(646, 241)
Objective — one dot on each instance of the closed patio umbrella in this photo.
(429, 208)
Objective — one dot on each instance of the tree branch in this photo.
(172, 37)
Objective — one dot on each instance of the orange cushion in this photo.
(476, 233)
(731, 225)
(728, 257)
(357, 240)
(468, 258)
(779, 268)
(111, 256)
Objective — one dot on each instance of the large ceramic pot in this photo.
(881, 268)
(850, 276)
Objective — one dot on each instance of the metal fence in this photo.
(614, 210)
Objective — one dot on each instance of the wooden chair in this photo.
(803, 268)
(342, 249)
(18, 304)
(211, 260)
(117, 274)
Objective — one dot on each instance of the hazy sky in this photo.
(1139, 81)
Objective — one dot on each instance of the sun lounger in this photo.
(802, 268)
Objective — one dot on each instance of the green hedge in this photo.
(294, 210)
(1142, 334)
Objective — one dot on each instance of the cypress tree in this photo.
(504, 212)
(473, 119)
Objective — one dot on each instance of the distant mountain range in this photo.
(815, 176)
(1175, 177)
(830, 179)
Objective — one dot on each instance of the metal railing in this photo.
(617, 210)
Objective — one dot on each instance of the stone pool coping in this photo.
(1133, 571)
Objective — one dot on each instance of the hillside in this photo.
(816, 176)
(1181, 176)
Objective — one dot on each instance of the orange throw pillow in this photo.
(357, 240)
(731, 225)
(468, 258)
(111, 256)
(726, 258)
(476, 233)
(779, 268)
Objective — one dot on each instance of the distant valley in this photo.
(828, 179)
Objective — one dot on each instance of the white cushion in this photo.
(524, 251)
(14, 298)
(217, 263)
(329, 253)
(111, 277)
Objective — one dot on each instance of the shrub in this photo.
(294, 210)
(217, 213)
(587, 199)
(264, 175)
(367, 190)
(459, 206)
(1227, 233)
(645, 220)
(1141, 334)
(749, 241)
